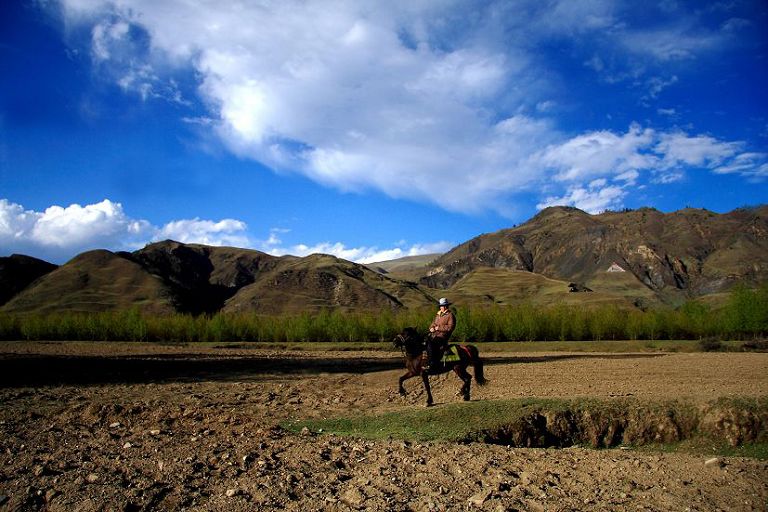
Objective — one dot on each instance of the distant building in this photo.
(615, 267)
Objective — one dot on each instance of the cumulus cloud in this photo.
(592, 199)
(600, 153)
(228, 232)
(360, 96)
(59, 233)
(601, 157)
(678, 149)
(363, 254)
(399, 97)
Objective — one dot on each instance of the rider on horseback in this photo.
(439, 332)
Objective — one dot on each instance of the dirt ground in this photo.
(87, 427)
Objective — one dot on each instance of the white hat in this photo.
(443, 302)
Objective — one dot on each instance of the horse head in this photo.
(410, 341)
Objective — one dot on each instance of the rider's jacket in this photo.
(444, 324)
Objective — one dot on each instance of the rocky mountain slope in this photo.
(689, 251)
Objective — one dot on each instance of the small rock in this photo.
(478, 499)
(353, 497)
(114, 425)
(127, 445)
(154, 432)
(92, 478)
(715, 461)
(231, 493)
(305, 431)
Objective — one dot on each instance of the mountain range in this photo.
(635, 258)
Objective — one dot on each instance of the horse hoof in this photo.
(430, 404)
(402, 393)
(466, 398)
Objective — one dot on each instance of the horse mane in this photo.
(413, 341)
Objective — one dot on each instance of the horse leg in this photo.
(425, 379)
(466, 378)
(401, 388)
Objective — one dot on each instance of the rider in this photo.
(439, 332)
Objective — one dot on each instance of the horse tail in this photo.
(477, 364)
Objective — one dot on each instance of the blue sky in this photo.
(368, 130)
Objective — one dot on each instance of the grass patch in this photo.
(451, 422)
(707, 447)
(667, 426)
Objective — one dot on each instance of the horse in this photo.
(413, 346)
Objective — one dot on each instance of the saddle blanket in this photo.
(451, 355)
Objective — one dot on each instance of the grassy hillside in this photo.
(320, 282)
(508, 287)
(409, 268)
(18, 271)
(91, 282)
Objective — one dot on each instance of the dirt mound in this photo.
(632, 423)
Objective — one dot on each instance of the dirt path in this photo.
(137, 427)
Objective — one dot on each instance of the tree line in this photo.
(743, 316)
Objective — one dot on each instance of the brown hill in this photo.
(320, 282)
(201, 278)
(409, 267)
(691, 252)
(18, 271)
(170, 276)
(504, 286)
(94, 281)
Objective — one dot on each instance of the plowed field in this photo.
(149, 427)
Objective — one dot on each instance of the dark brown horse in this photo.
(413, 346)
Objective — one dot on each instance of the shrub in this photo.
(710, 345)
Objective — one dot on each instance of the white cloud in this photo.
(599, 154)
(274, 245)
(629, 177)
(360, 96)
(751, 165)
(59, 233)
(655, 85)
(362, 254)
(678, 148)
(105, 35)
(593, 199)
(228, 232)
(670, 112)
(671, 43)
(597, 157)
(418, 100)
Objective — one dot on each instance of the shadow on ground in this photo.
(48, 370)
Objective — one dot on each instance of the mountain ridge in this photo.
(692, 251)
(662, 257)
